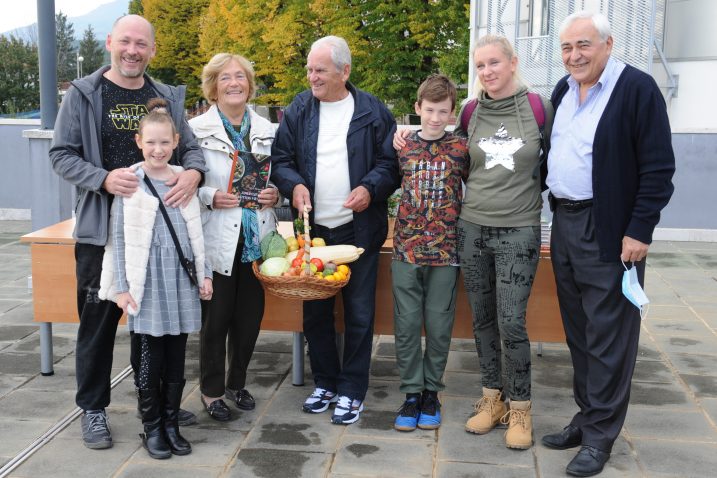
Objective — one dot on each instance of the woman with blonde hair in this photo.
(232, 318)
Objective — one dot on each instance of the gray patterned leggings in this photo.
(499, 265)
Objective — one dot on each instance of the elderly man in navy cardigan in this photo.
(609, 173)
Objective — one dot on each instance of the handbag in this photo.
(187, 265)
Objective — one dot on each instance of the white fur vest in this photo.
(140, 211)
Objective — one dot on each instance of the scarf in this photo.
(249, 222)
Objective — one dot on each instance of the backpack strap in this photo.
(467, 113)
(541, 170)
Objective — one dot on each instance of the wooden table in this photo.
(54, 294)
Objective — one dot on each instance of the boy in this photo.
(424, 268)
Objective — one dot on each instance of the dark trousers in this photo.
(350, 376)
(234, 313)
(161, 360)
(96, 333)
(602, 327)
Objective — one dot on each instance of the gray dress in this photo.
(170, 305)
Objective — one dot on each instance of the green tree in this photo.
(91, 51)
(178, 60)
(135, 7)
(66, 52)
(19, 76)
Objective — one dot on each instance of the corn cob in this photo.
(340, 254)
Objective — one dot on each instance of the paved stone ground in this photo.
(670, 429)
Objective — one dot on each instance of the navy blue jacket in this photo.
(633, 161)
(372, 159)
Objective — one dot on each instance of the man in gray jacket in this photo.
(93, 147)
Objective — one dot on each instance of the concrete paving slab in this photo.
(275, 342)
(170, 470)
(379, 423)
(702, 386)
(384, 395)
(302, 432)
(16, 332)
(42, 405)
(678, 328)
(210, 448)
(686, 460)
(377, 457)
(554, 402)
(69, 458)
(556, 377)
(384, 368)
(273, 463)
(463, 362)
(20, 315)
(649, 422)
(695, 364)
(670, 395)
(269, 362)
(455, 444)
(474, 470)
(652, 371)
(17, 434)
(463, 384)
(648, 349)
(705, 344)
(553, 462)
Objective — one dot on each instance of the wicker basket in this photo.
(299, 287)
(303, 287)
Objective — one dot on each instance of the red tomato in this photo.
(297, 262)
(317, 262)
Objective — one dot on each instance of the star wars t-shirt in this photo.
(121, 111)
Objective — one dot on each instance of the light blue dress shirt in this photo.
(570, 161)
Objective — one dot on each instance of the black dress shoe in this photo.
(570, 437)
(218, 410)
(242, 398)
(588, 462)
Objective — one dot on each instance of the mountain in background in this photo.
(101, 19)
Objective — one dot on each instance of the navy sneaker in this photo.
(347, 411)
(96, 429)
(319, 401)
(430, 417)
(408, 414)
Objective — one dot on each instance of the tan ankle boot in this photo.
(488, 411)
(520, 425)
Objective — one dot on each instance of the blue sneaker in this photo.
(408, 414)
(430, 417)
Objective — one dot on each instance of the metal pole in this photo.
(297, 360)
(48, 62)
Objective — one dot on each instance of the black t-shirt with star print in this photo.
(121, 111)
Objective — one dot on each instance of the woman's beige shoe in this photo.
(488, 411)
(519, 434)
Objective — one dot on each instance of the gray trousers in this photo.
(499, 265)
(423, 296)
(601, 326)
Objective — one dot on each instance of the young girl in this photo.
(142, 272)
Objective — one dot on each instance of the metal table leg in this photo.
(46, 367)
(297, 360)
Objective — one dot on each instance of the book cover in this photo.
(248, 177)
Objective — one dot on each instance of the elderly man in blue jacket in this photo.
(610, 173)
(333, 153)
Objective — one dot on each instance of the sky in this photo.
(20, 13)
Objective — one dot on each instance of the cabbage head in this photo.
(273, 245)
(274, 266)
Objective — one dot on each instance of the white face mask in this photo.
(633, 291)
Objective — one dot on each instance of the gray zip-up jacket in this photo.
(76, 151)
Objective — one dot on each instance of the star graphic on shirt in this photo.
(499, 149)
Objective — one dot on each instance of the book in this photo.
(248, 177)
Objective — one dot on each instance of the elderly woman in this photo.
(231, 233)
